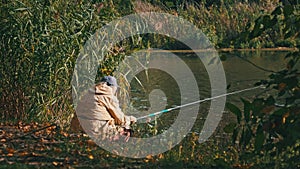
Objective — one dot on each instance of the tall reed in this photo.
(39, 45)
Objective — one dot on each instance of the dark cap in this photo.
(110, 80)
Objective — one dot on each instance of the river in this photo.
(155, 89)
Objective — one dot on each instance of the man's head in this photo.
(111, 81)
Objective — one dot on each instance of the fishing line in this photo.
(199, 101)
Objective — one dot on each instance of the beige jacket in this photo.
(101, 104)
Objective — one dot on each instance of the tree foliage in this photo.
(279, 28)
(267, 126)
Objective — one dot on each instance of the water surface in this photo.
(165, 92)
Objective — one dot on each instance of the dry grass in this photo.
(142, 6)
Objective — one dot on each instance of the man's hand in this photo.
(127, 136)
(127, 133)
(133, 119)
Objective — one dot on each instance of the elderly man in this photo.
(99, 113)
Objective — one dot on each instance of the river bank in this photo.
(222, 50)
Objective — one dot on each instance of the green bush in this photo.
(266, 132)
(280, 28)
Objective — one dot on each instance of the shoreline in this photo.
(259, 49)
(221, 50)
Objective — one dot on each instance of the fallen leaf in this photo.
(26, 128)
(2, 133)
(10, 154)
(10, 150)
(44, 140)
(149, 157)
(10, 162)
(90, 143)
(88, 149)
(268, 109)
(90, 156)
(67, 159)
(23, 153)
(75, 152)
(76, 162)
(34, 163)
(281, 86)
(286, 115)
(64, 134)
(57, 150)
(47, 124)
(55, 163)
(80, 143)
(35, 154)
(160, 156)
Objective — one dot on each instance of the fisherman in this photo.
(99, 113)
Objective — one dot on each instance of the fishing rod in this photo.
(199, 101)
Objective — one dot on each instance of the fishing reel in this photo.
(128, 131)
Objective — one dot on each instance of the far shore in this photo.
(221, 50)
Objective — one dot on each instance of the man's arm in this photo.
(119, 117)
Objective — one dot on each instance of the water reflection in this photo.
(239, 74)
